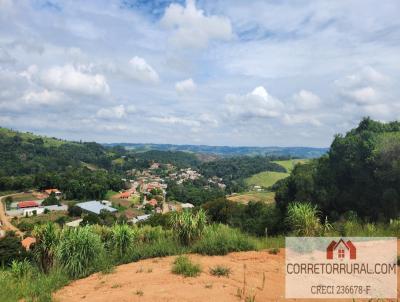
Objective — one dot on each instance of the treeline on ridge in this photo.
(360, 173)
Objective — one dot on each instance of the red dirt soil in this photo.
(152, 280)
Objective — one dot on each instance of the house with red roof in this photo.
(27, 204)
(153, 202)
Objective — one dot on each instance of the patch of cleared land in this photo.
(267, 197)
(290, 163)
(152, 280)
(265, 179)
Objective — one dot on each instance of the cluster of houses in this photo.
(184, 175)
(34, 207)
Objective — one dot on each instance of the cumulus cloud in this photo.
(306, 100)
(68, 78)
(185, 86)
(363, 87)
(192, 28)
(44, 97)
(141, 71)
(256, 104)
(366, 93)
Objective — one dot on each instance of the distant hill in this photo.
(298, 152)
(28, 154)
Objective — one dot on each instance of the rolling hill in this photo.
(296, 152)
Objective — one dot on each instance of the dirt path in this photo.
(152, 280)
(6, 224)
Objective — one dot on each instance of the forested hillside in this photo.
(23, 154)
(360, 173)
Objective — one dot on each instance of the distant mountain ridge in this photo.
(299, 152)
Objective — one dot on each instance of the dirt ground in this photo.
(152, 280)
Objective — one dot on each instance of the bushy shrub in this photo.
(148, 234)
(220, 271)
(11, 249)
(79, 251)
(184, 266)
(219, 239)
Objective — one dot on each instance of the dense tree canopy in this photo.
(361, 172)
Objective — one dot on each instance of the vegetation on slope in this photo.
(360, 173)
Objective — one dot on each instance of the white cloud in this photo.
(192, 28)
(44, 97)
(185, 86)
(175, 120)
(70, 79)
(257, 104)
(363, 87)
(293, 119)
(364, 95)
(116, 112)
(366, 76)
(140, 70)
(306, 100)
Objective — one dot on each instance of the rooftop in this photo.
(94, 206)
(27, 204)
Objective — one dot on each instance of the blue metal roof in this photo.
(94, 206)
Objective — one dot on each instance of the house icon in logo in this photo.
(341, 250)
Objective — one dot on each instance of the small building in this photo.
(187, 205)
(153, 202)
(74, 223)
(32, 211)
(95, 207)
(140, 218)
(27, 204)
(55, 191)
(125, 195)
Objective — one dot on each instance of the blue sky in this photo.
(258, 73)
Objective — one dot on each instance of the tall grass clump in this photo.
(122, 239)
(20, 269)
(184, 266)
(303, 219)
(47, 238)
(219, 239)
(79, 251)
(188, 225)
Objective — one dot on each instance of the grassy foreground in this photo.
(62, 255)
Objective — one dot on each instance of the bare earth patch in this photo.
(152, 280)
